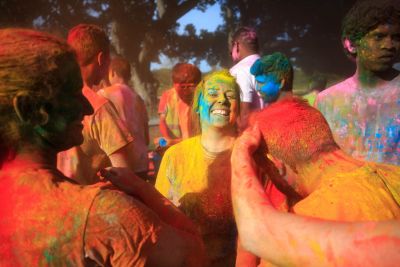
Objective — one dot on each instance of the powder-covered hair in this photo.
(88, 40)
(199, 92)
(277, 64)
(247, 36)
(30, 64)
(294, 131)
(186, 73)
(121, 67)
(366, 15)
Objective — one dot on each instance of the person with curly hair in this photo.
(363, 111)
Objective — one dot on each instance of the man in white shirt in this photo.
(244, 52)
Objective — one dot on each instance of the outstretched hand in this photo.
(127, 181)
(124, 179)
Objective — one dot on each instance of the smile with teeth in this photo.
(222, 112)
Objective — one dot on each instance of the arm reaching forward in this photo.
(291, 240)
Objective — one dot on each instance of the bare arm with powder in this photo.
(292, 240)
(128, 182)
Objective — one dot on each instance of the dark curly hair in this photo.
(366, 15)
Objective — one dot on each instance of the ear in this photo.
(30, 110)
(349, 46)
(102, 58)
(237, 46)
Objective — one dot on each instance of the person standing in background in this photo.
(174, 107)
(244, 51)
(107, 141)
(364, 110)
(132, 111)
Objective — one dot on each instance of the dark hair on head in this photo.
(247, 36)
(121, 67)
(366, 15)
(31, 66)
(88, 40)
(186, 73)
(294, 131)
(277, 64)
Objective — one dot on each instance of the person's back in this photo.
(44, 226)
(244, 50)
(333, 185)
(366, 193)
(131, 109)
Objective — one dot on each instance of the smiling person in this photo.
(195, 174)
(46, 218)
(364, 110)
(274, 77)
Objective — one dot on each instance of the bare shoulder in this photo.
(340, 88)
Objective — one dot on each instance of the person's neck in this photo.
(246, 53)
(31, 155)
(311, 173)
(284, 94)
(118, 80)
(87, 73)
(218, 139)
(370, 79)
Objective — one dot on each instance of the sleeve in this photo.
(163, 183)
(109, 130)
(120, 230)
(162, 106)
(246, 84)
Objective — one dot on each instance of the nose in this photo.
(223, 99)
(389, 43)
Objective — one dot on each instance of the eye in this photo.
(378, 36)
(212, 92)
(230, 95)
